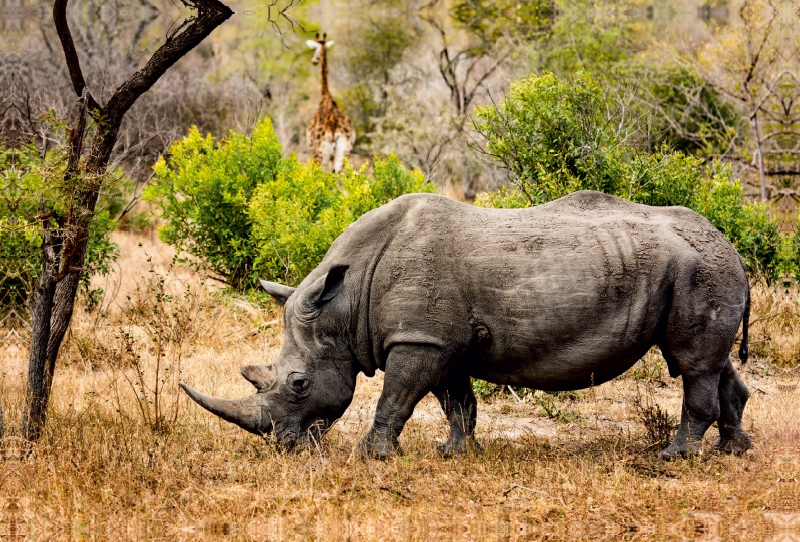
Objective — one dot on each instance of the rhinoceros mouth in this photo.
(290, 441)
(293, 439)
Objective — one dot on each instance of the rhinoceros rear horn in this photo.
(246, 413)
(279, 292)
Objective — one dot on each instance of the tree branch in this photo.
(71, 54)
(210, 14)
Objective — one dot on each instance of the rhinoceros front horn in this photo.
(246, 413)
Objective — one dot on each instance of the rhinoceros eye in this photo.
(299, 382)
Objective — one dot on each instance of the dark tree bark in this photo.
(64, 252)
(39, 378)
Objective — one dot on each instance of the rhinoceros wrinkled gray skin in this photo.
(556, 297)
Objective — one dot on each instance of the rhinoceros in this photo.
(562, 296)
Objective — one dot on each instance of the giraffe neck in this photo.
(326, 94)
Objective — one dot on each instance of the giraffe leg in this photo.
(327, 154)
(342, 150)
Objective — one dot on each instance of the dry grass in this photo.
(101, 472)
(775, 321)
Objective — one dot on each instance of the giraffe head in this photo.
(318, 45)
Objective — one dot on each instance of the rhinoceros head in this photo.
(311, 383)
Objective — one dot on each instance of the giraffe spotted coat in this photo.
(329, 134)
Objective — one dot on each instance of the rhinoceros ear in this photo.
(279, 292)
(323, 289)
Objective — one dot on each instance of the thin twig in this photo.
(515, 395)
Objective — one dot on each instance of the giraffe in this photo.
(329, 134)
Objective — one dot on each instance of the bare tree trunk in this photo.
(762, 174)
(54, 299)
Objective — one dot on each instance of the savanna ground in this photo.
(571, 466)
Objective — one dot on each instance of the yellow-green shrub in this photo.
(246, 212)
(298, 215)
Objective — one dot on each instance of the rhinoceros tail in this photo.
(745, 324)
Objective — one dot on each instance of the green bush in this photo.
(485, 389)
(557, 136)
(297, 216)
(549, 134)
(245, 212)
(203, 192)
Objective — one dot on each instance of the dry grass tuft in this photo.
(104, 470)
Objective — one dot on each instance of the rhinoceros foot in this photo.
(736, 445)
(375, 446)
(456, 447)
(673, 451)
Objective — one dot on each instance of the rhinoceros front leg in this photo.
(700, 409)
(458, 402)
(411, 372)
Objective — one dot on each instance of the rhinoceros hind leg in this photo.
(454, 448)
(459, 405)
(736, 445)
(733, 395)
(700, 409)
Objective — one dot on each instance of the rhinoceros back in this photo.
(535, 296)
